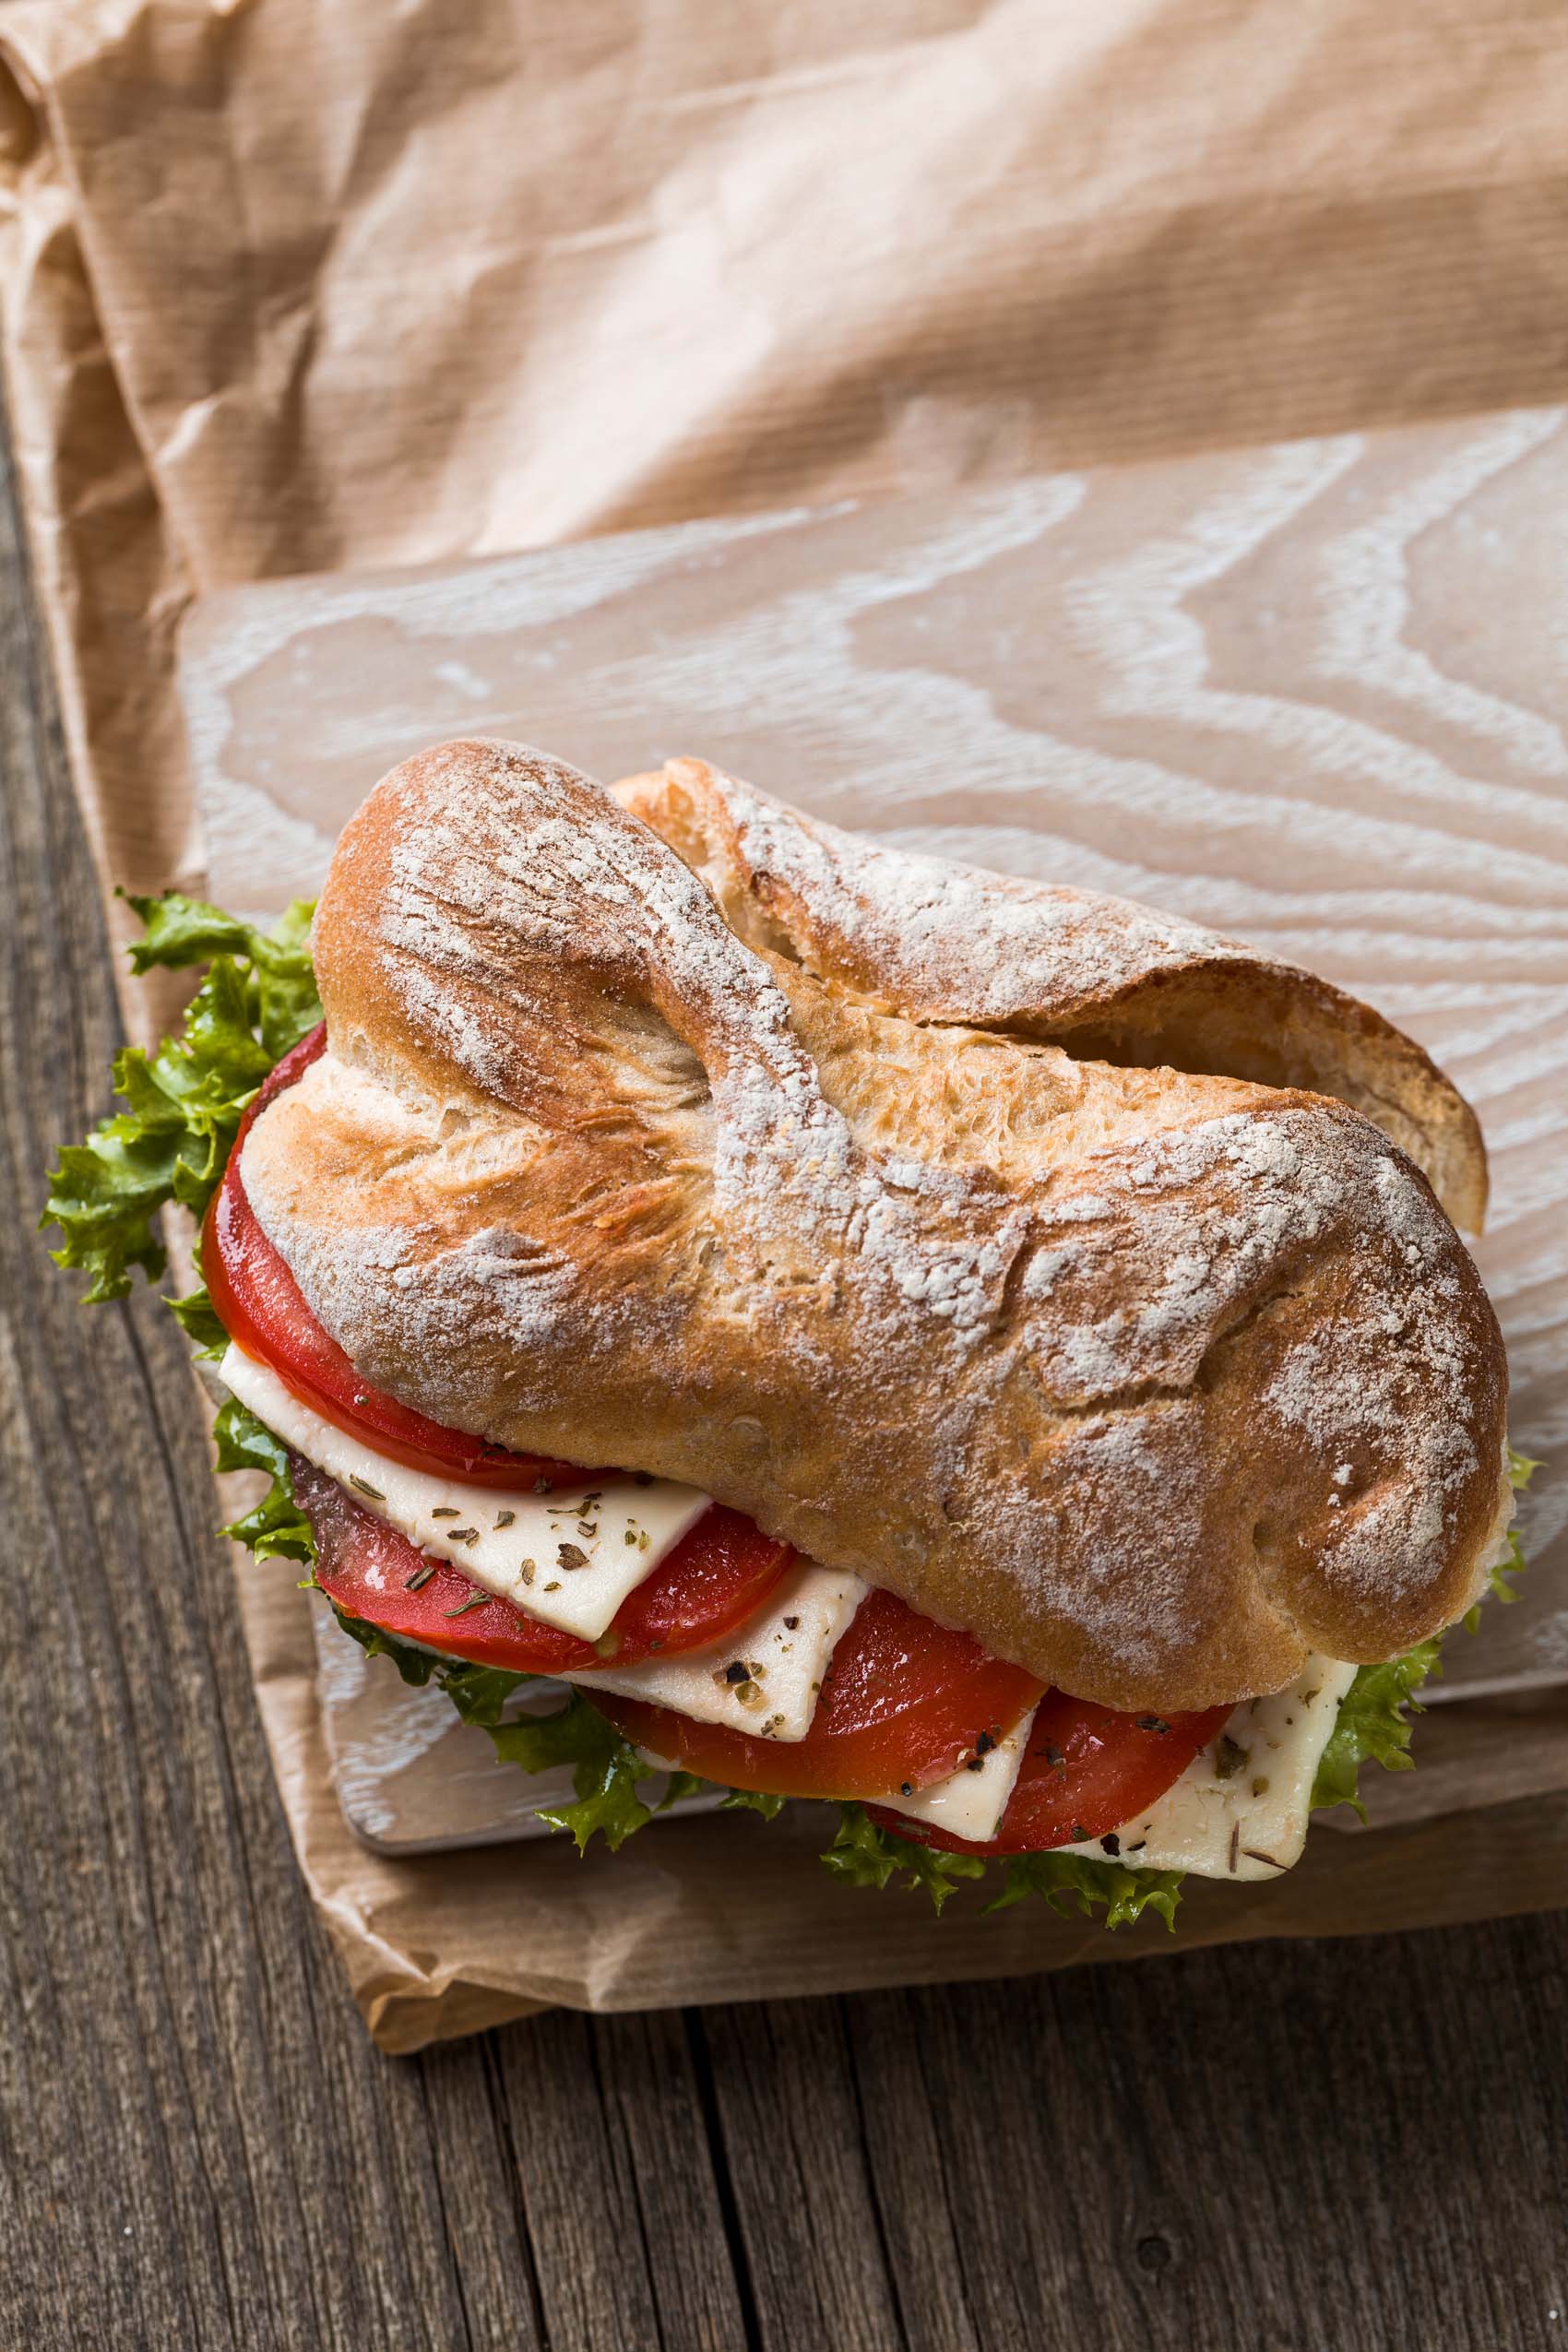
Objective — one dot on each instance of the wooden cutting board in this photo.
(1314, 694)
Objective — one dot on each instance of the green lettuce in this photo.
(277, 1528)
(1071, 1882)
(748, 1800)
(274, 965)
(1374, 1725)
(1522, 1469)
(184, 1103)
(605, 1770)
(478, 1693)
(415, 1666)
(1497, 1587)
(862, 1854)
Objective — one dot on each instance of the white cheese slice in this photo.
(970, 1802)
(568, 1560)
(1242, 1815)
(785, 1650)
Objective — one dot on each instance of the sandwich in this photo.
(747, 1310)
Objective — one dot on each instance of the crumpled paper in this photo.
(298, 289)
(291, 289)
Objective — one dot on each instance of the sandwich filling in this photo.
(1238, 1806)
(684, 1641)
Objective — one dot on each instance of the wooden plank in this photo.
(616, 2184)
(651, 2072)
(1216, 2153)
(462, 2106)
(799, 2176)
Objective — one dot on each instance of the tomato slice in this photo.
(717, 1577)
(1087, 1770)
(903, 1700)
(263, 1309)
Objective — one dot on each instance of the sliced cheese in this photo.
(568, 1560)
(969, 1802)
(782, 1653)
(1239, 1809)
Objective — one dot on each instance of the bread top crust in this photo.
(1102, 977)
(1152, 1379)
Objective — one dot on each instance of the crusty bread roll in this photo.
(1153, 1379)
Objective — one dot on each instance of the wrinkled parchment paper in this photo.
(292, 289)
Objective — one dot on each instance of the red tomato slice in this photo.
(717, 1577)
(903, 1700)
(263, 1310)
(1087, 1770)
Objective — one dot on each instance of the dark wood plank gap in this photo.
(906, 2159)
(486, 2228)
(897, 2291)
(500, 2111)
(799, 2175)
(734, 2235)
(602, 2082)
(645, 2065)
(595, 2288)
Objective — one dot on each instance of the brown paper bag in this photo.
(294, 288)
(290, 288)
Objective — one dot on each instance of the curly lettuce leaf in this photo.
(605, 1770)
(1374, 1725)
(1522, 1469)
(863, 1855)
(184, 1103)
(748, 1800)
(478, 1693)
(277, 1527)
(197, 1318)
(277, 967)
(679, 1786)
(1497, 1587)
(1070, 1883)
(415, 1666)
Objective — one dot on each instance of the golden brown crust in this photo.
(1106, 979)
(1152, 1380)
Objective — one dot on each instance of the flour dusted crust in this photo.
(1105, 978)
(1152, 1378)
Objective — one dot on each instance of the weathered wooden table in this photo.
(1354, 2145)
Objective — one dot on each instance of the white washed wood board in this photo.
(1315, 694)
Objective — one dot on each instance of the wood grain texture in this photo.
(1311, 693)
(1361, 2146)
